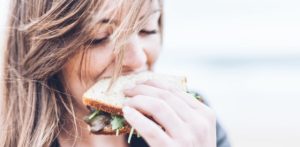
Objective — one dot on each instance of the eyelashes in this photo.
(148, 32)
(100, 41)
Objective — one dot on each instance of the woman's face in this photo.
(141, 51)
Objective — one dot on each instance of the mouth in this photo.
(128, 71)
(133, 72)
(125, 72)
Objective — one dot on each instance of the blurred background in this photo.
(244, 57)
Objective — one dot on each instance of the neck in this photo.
(69, 137)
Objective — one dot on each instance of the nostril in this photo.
(126, 70)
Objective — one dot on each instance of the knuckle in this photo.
(165, 94)
(161, 109)
(208, 113)
(159, 105)
(156, 106)
(187, 140)
(205, 129)
(211, 115)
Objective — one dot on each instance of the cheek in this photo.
(98, 61)
(82, 70)
(72, 81)
(153, 48)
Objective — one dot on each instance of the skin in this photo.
(186, 121)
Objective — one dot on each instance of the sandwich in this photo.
(105, 103)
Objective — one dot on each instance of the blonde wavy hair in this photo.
(42, 36)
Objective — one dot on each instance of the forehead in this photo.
(117, 10)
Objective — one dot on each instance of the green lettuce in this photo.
(117, 122)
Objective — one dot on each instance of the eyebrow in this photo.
(107, 20)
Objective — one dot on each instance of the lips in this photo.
(125, 71)
(134, 72)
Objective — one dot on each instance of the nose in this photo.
(135, 57)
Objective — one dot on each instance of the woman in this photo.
(57, 49)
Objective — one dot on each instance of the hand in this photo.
(183, 120)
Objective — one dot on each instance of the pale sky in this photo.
(228, 28)
(234, 27)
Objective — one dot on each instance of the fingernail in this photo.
(127, 110)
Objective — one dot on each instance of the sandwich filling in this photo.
(98, 120)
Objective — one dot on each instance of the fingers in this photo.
(151, 132)
(160, 111)
(188, 99)
(173, 101)
(169, 106)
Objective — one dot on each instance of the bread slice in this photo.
(99, 98)
(112, 101)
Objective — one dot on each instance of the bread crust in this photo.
(103, 106)
(109, 131)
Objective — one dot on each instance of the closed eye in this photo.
(99, 41)
(148, 32)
